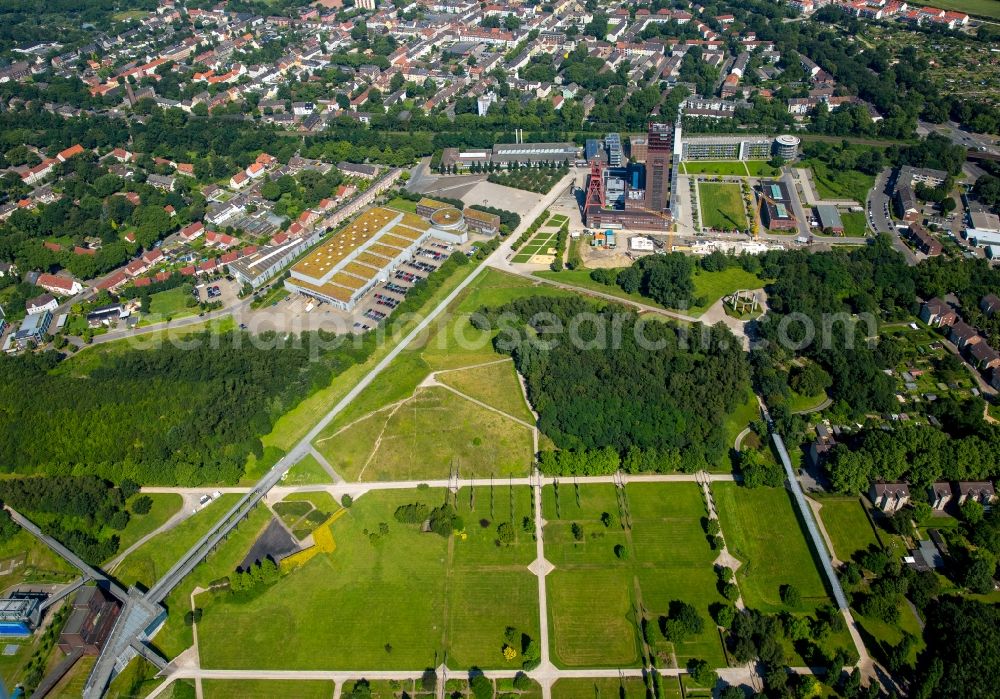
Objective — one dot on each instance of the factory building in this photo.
(635, 197)
(352, 261)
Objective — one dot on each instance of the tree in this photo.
(682, 622)
(505, 533)
(481, 686)
(972, 511)
(621, 553)
(577, 531)
(790, 596)
(962, 658)
(701, 672)
(142, 505)
(810, 380)
(346, 501)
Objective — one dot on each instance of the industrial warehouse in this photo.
(345, 267)
(631, 196)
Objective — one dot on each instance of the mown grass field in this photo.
(722, 206)
(266, 689)
(418, 592)
(983, 8)
(728, 168)
(847, 525)
(855, 225)
(308, 471)
(762, 530)
(165, 506)
(146, 564)
(668, 559)
(171, 303)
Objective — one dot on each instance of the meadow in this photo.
(722, 206)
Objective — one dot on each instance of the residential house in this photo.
(990, 304)
(889, 497)
(984, 357)
(980, 491)
(63, 286)
(41, 304)
(937, 313)
(963, 334)
(939, 495)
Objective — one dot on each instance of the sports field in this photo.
(668, 558)
(430, 435)
(762, 530)
(722, 206)
(398, 602)
(848, 526)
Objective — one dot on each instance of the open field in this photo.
(265, 689)
(308, 471)
(733, 424)
(892, 634)
(151, 560)
(393, 603)
(854, 222)
(295, 423)
(983, 8)
(763, 531)
(708, 286)
(668, 559)
(714, 285)
(401, 204)
(170, 303)
(429, 435)
(496, 385)
(722, 206)
(626, 688)
(165, 506)
(847, 524)
(839, 184)
(728, 168)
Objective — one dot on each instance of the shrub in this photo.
(346, 501)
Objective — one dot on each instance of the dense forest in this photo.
(168, 415)
(623, 382)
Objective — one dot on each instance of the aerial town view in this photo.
(500, 349)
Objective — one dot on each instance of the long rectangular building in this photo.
(352, 261)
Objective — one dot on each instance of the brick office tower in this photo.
(659, 157)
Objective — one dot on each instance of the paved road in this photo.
(235, 309)
(801, 220)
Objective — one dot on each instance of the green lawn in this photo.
(736, 422)
(798, 402)
(431, 433)
(497, 385)
(602, 688)
(401, 204)
(892, 634)
(847, 524)
(855, 223)
(151, 560)
(308, 471)
(265, 689)
(398, 603)
(708, 286)
(714, 285)
(722, 206)
(728, 168)
(984, 8)
(763, 531)
(165, 505)
(760, 168)
(669, 559)
(839, 184)
(295, 423)
(171, 303)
